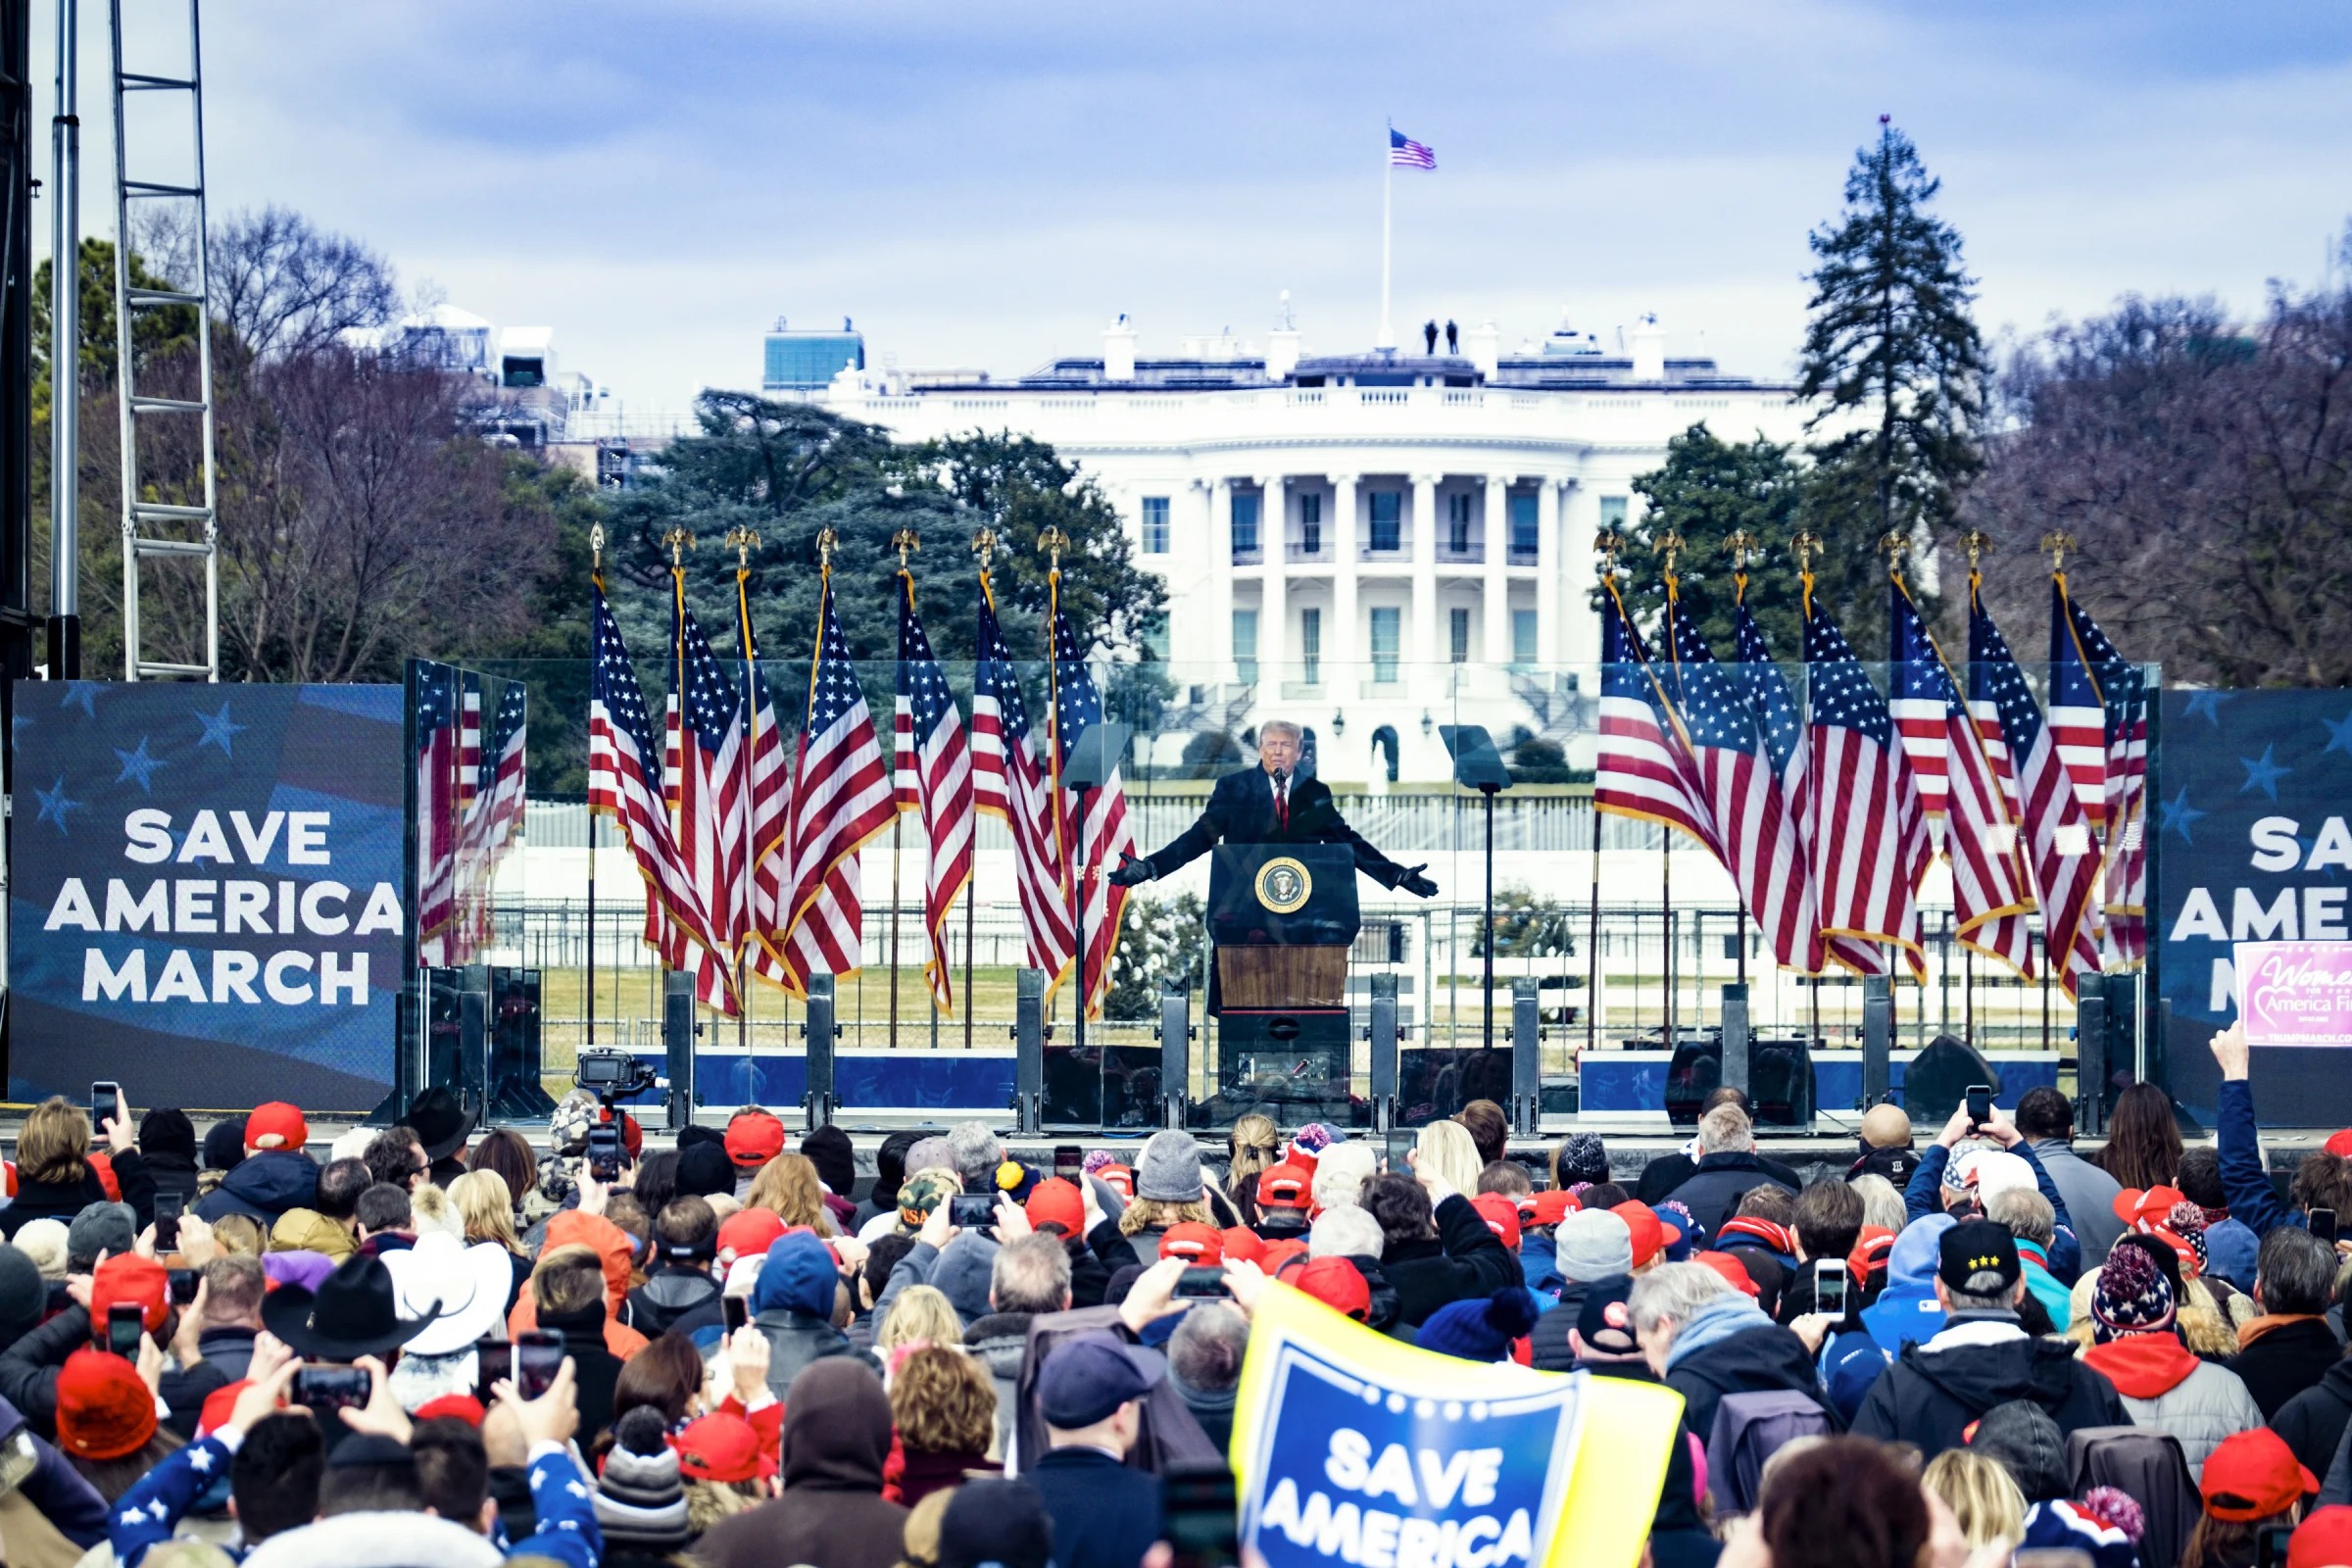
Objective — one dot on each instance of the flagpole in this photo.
(1073, 855)
(1388, 189)
(596, 573)
(1669, 544)
(745, 542)
(1802, 545)
(1605, 549)
(984, 545)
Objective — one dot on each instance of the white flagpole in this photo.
(1388, 186)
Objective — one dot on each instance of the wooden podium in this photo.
(1282, 918)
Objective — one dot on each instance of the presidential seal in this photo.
(1283, 885)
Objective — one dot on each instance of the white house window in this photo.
(1310, 526)
(1387, 637)
(1245, 526)
(1457, 525)
(1310, 646)
(1458, 627)
(1244, 643)
(1522, 637)
(1388, 520)
(1155, 636)
(1155, 525)
(1523, 526)
(1612, 511)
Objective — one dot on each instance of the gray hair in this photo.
(1673, 1290)
(1283, 726)
(1345, 1232)
(2025, 1212)
(2295, 1271)
(1341, 1172)
(1725, 1131)
(1882, 1205)
(1030, 1275)
(1993, 1300)
(1206, 1351)
(978, 1154)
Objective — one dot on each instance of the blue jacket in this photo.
(1906, 1311)
(1919, 1200)
(2244, 1187)
(66, 1500)
(1539, 1263)
(265, 1186)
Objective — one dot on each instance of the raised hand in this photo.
(1131, 871)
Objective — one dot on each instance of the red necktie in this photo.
(1282, 805)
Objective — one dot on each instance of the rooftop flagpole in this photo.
(1388, 189)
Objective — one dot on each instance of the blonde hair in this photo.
(1990, 1508)
(1146, 1213)
(787, 1186)
(920, 1538)
(942, 1402)
(922, 1312)
(431, 1209)
(240, 1236)
(55, 1142)
(1257, 1146)
(1447, 1150)
(487, 1208)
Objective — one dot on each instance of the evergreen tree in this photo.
(1896, 367)
(1709, 490)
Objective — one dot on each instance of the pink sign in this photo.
(2296, 993)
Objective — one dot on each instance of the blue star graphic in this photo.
(218, 729)
(2339, 735)
(2178, 813)
(2262, 774)
(54, 805)
(137, 766)
(2207, 703)
(81, 694)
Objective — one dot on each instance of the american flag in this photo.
(1644, 770)
(491, 823)
(1742, 792)
(768, 769)
(2123, 691)
(1406, 153)
(841, 796)
(1009, 782)
(1992, 897)
(1783, 729)
(469, 737)
(934, 768)
(2077, 719)
(1097, 841)
(1870, 831)
(711, 830)
(2056, 838)
(621, 785)
(437, 709)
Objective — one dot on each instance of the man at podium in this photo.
(1270, 804)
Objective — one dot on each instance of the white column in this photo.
(1547, 569)
(1340, 654)
(1425, 645)
(1219, 646)
(1273, 611)
(1497, 563)
(1580, 628)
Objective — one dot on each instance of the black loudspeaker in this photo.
(1935, 1085)
(516, 1048)
(1779, 1082)
(678, 1030)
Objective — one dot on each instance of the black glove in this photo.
(1413, 882)
(1132, 871)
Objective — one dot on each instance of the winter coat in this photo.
(2245, 1187)
(1729, 1346)
(173, 1173)
(662, 1301)
(998, 1342)
(2312, 1423)
(1213, 1410)
(2042, 1285)
(1105, 1514)
(53, 1485)
(62, 1200)
(1930, 1393)
(792, 1306)
(1906, 1311)
(1923, 1197)
(2166, 1388)
(2278, 1357)
(2232, 1252)
(1715, 1186)
(1539, 1263)
(2089, 1193)
(836, 1441)
(1466, 1263)
(1549, 1339)
(594, 1365)
(265, 1186)
(1661, 1176)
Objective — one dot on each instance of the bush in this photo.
(1162, 942)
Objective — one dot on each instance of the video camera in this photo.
(611, 1075)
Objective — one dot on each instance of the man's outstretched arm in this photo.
(1182, 849)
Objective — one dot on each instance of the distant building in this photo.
(447, 338)
(805, 361)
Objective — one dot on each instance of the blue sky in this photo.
(987, 185)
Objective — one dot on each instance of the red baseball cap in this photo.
(1244, 1243)
(1501, 1216)
(1339, 1285)
(753, 1137)
(748, 1233)
(1733, 1272)
(722, 1447)
(104, 1410)
(2340, 1146)
(1120, 1179)
(275, 1125)
(456, 1406)
(2325, 1540)
(1286, 1185)
(1279, 1255)
(218, 1405)
(2135, 1205)
(126, 1279)
(1058, 1200)
(1195, 1243)
(1555, 1205)
(2252, 1475)
(1651, 1235)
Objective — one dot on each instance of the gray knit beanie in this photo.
(100, 1227)
(1592, 1245)
(640, 1501)
(1169, 1171)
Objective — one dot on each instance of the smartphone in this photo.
(124, 1323)
(106, 1104)
(1401, 1141)
(1199, 1516)
(1201, 1284)
(538, 1357)
(734, 1311)
(971, 1212)
(1829, 1287)
(2323, 1225)
(604, 1152)
(169, 1206)
(183, 1283)
(1069, 1161)
(2270, 1546)
(328, 1388)
(1979, 1105)
(489, 1365)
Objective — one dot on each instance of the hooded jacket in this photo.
(1930, 1394)
(1730, 1346)
(614, 1249)
(836, 1438)
(1466, 1263)
(1906, 1311)
(1539, 1263)
(2166, 1388)
(669, 1295)
(2278, 1357)
(2312, 1423)
(263, 1185)
(1718, 1182)
(792, 1306)
(594, 1364)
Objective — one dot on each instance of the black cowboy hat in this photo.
(355, 1312)
(440, 1124)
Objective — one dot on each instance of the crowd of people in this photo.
(439, 1344)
